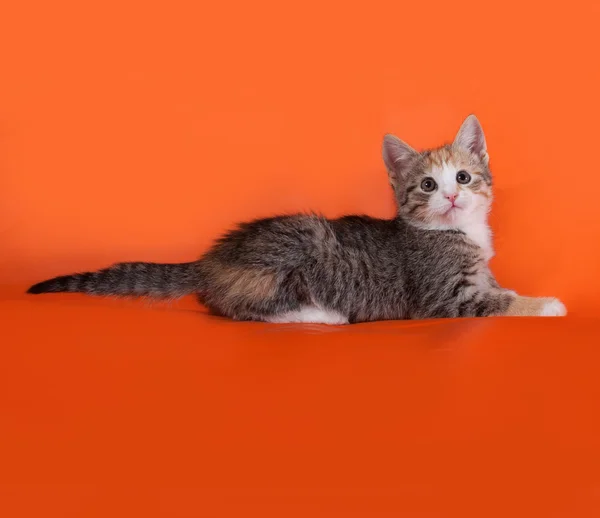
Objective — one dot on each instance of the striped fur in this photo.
(128, 279)
(430, 261)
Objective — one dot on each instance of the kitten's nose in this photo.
(451, 197)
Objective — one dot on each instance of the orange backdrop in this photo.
(137, 130)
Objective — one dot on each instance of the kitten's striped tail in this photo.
(128, 279)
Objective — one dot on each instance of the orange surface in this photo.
(118, 409)
(138, 130)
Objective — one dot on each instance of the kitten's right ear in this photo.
(398, 157)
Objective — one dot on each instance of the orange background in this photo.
(141, 130)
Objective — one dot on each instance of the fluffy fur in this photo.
(430, 261)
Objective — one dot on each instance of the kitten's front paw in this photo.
(553, 308)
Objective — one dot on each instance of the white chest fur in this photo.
(480, 233)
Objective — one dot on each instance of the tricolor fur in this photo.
(430, 261)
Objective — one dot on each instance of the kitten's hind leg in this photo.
(255, 294)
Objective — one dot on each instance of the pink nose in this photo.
(452, 197)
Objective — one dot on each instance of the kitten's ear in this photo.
(398, 157)
(470, 137)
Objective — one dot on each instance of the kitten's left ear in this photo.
(470, 137)
(399, 157)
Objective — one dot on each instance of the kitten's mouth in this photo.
(451, 209)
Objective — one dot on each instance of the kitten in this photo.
(430, 261)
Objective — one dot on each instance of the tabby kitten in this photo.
(430, 261)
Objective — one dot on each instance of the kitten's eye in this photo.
(463, 177)
(428, 185)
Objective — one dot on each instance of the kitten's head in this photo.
(444, 187)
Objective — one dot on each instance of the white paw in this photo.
(553, 308)
(309, 315)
